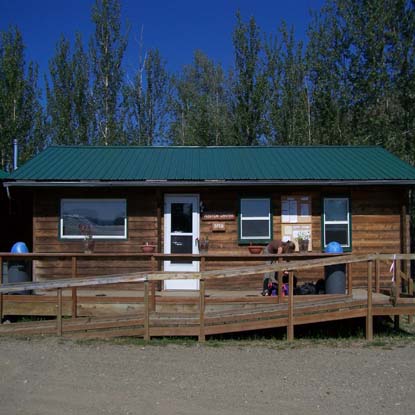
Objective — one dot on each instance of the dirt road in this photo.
(51, 376)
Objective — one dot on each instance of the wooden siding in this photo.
(142, 227)
(376, 227)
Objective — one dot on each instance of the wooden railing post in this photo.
(377, 276)
(410, 292)
(398, 281)
(1, 294)
(398, 278)
(59, 312)
(279, 298)
(369, 315)
(153, 284)
(290, 327)
(74, 289)
(349, 280)
(202, 293)
(146, 312)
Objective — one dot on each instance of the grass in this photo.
(347, 333)
(344, 333)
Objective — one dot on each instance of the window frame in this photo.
(348, 222)
(95, 237)
(255, 239)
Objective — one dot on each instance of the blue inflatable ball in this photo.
(19, 248)
(334, 248)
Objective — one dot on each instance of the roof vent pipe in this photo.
(15, 154)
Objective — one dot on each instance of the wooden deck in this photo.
(96, 313)
(177, 313)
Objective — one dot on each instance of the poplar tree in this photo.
(328, 71)
(200, 107)
(21, 115)
(107, 49)
(288, 104)
(68, 95)
(250, 83)
(146, 102)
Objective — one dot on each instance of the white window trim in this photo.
(80, 236)
(337, 222)
(268, 218)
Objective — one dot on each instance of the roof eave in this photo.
(203, 183)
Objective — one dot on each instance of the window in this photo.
(336, 221)
(255, 220)
(106, 218)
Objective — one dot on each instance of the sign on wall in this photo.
(296, 219)
(218, 216)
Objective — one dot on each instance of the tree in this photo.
(330, 88)
(146, 101)
(200, 108)
(68, 97)
(82, 96)
(21, 115)
(249, 90)
(107, 49)
(288, 105)
(361, 66)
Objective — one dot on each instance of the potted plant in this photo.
(203, 245)
(89, 243)
(255, 249)
(148, 248)
(303, 240)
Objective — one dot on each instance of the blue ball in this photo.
(19, 248)
(334, 248)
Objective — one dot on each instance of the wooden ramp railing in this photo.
(287, 305)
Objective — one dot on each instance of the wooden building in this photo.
(219, 199)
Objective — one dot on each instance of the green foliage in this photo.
(107, 49)
(146, 102)
(288, 105)
(360, 58)
(200, 106)
(249, 83)
(353, 83)
(20, 111)
(68, 97)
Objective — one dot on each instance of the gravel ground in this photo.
(53, 376)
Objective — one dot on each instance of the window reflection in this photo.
(103, 217)
(181, 217)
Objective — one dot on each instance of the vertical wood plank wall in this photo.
(376, 227)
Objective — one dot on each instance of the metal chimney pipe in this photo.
(15, 154)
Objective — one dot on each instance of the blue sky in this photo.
(176, 28)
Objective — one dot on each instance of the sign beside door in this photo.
(181, 231)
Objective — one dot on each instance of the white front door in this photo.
(181, 232)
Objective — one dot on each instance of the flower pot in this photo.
(255, 249)
(89, 245)
(203, 245)
(148, 249)
(303, 245)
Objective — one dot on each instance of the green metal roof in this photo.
(284, 163)
(3, 174)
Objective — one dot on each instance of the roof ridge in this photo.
(89, 147)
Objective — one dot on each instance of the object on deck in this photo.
(255, 249)
(335, 275)
(19, 270)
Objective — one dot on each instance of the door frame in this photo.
(170, 198)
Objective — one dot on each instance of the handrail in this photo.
(196, 257)
(206, 275)
(149, 277)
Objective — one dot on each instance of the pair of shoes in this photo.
(264, 293)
